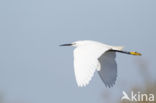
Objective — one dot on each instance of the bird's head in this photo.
(76, 43)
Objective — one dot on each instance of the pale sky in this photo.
(34, 69)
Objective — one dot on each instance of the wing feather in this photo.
(85, 63)
(108, 71)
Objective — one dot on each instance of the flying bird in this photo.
(91, 56)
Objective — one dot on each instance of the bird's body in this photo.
(91, 56)
(86, 60)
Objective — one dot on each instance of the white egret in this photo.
(90, 56)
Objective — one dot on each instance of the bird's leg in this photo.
(126, 52)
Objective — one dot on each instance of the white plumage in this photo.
(90, 56)
(86, 56)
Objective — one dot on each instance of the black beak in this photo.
(66, 45)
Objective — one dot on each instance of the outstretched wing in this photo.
(108, 71)
(85, 63)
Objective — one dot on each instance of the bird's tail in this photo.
(118, 47)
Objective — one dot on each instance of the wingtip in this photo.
(82, 85)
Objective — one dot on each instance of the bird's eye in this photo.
(73, 44)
